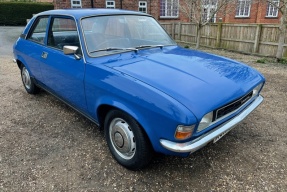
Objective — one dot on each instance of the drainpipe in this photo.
(150, 7)
(92, 3)
(121, 4)
(256, 16)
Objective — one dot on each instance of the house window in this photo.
(169, 9)
(110, 5)
(76, 3)
(243, 8)
(143, 6)
(272, 8)
(208, 9)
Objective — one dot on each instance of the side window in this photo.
(63, 32)
(38, 32)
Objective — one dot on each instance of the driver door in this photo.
(64, 74)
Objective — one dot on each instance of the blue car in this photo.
(121, 70)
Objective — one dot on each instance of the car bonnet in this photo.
(200, 81)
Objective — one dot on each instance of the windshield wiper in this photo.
(114, 49)
(149, 46)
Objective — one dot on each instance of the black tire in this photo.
(127, 141)
(28, 82)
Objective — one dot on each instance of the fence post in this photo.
(218, 35)
(257, 38)
(179, 31)
(173, 30)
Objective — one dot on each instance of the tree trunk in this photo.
(198, 36)
(282, 33)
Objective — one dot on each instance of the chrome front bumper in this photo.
(203, 140)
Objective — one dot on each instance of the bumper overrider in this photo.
(203, 140)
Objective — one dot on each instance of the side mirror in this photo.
(69, 50)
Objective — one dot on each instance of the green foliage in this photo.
(272, 60)
(16, 13)
(282, 61)
(186, 46)
(263, 60)
(17, 0)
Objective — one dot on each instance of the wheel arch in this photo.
(19, 63)
(104, 109)
(102, 112)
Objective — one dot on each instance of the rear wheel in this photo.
(28, 83)
(127, 141)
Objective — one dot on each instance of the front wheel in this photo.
(28, 83)
(127, 141)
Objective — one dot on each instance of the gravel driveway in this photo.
(46, 146)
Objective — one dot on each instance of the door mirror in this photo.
(69, 50)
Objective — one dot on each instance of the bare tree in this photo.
(202, 12)
(281, 5)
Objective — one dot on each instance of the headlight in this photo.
(257, 89)
(183, 132)
(205, 121)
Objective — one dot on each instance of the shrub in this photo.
(16, 13)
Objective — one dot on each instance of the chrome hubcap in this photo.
(26, 78)
(122, 138)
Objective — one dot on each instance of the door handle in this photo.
(44, 55)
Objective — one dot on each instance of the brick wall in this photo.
(61, 4)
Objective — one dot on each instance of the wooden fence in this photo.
(260, 39)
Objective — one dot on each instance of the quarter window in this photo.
(169, 8)
(38, 33)
(143, 6)
(243, 8)
(76, 3)
(110, 5)
(272, 9)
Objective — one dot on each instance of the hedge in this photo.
(16, 13)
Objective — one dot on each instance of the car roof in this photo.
(79, 13)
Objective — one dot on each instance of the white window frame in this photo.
(170, 8)
(143, 5)
(243, 8)
(271, 9)
(110, 6)
(209, 6)
(76, 5)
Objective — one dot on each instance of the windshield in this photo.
(108, 34)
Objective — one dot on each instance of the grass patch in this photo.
(263, 60)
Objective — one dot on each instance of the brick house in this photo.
(247, 11)
(160, 9)
(243, 11)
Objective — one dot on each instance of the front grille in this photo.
(232, 106)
